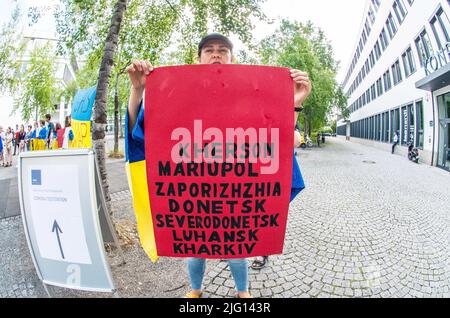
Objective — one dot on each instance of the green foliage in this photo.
(227, 16)
(10, 51)
(341, 102)
(82, 25)
(243, 57)
(333, 126)
(199, 17)
(327, 129)
(148, 29)
(38, 85)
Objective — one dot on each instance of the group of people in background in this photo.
(44, 135)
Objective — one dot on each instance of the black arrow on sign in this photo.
(58, 230)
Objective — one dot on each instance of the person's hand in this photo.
(302, 86)
(138, 71)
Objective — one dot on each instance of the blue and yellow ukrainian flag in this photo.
(137, 180)
(81, 117)
(40, 140)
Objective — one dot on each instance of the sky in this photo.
(340, 20)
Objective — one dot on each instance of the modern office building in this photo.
(398, 79)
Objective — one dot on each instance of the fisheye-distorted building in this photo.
(398, 80)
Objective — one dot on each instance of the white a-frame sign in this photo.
(65, 219)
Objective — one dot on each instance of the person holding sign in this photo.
(213, 49)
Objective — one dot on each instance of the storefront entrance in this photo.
(444, 131)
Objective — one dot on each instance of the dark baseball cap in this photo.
(217, 37)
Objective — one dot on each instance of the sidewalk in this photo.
(9, 196)
(368, 224)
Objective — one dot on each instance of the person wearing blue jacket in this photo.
(213, 49)
(41, 138)
(1, 145)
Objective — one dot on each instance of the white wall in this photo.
(405, 92)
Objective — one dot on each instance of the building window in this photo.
(367, 128)
(367, 27)
(391, 26)
(408, 62)
(377, 50)
(372, 126)
(440, 26)
(387, 81)
(379, 87)
(411, 123)
(419, 124)
(386, 127)
(373, 91)
(384, 39)
(372, 59)
(395, 123)
(423, 46)
(378, 126)
(400, 11)
(363, 129)
(404, 121)
(371, 15)
(376, 4)
(396, 72)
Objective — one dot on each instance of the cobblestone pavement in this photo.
(359, 229)
(137, 278)
(9, 196)
(369, 224)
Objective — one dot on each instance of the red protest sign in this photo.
(219, 151)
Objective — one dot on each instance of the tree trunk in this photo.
(308, 122)
(116, 121)
(305, 126)
(120, 123)
(100, 117)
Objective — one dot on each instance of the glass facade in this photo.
(411, 124)
(444, 131)
(404, 132)
(420, 125)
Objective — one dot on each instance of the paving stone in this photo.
(381, 235)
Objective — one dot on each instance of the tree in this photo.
(10, 51)
(37, 85)
(333, 126)
(341, 102)
(302, 46)
(100, 116)
(199, 17)
(83, 26)
(145, 33)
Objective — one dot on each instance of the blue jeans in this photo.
(238, 267)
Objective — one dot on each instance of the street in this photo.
(368, 224)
